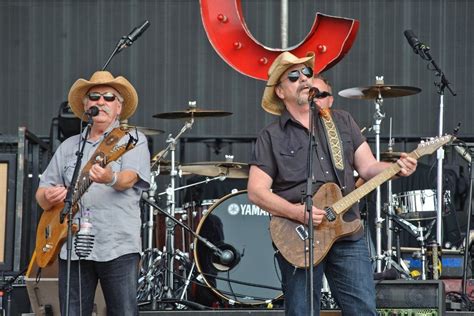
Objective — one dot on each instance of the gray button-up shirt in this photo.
(115, 215)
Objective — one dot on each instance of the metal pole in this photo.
(439, 179)
(284, 23)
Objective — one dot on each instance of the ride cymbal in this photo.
(192, 113)
(233, 170)
(372, 92)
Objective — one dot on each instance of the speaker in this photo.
(43, 292)
(410, 294)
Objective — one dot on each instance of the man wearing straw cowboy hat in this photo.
(278, 176)
(111, 203)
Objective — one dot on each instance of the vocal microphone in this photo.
(136, 33)
(463, 152)
(313, 93)
(93, 111)
(226, 256)
(415, 42)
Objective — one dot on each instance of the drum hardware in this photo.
(162, 268)
(418, 233)
(377, 93)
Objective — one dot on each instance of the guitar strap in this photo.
(105, 147)
(333, 139)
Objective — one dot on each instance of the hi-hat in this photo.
(145, 130)
(163, 167)
(233, 170)
(390, 156)
(191, 112)
(372, 92)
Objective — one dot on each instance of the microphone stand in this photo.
(443, 83)
(67, 210)
(308, 201)
(468, 224)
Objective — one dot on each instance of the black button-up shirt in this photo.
(281, 151)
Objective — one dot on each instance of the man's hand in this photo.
(101, 175)
(318, 215)
(407, 164)
(55, 195)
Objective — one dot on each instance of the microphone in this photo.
(463, 152)
(226, 257)
(93, 111)
(415, 42)
(136, 33)
(313, 93)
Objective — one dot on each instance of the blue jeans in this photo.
(350, 276)
(118, 279)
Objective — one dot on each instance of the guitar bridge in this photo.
(330, 215)
(302, 232)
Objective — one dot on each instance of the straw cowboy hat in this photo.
(80, 88)
(270, 101)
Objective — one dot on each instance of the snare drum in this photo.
(419, 204)
(235, 223)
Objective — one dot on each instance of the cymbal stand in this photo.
(171, 205)
(378, 117)
(389, 225)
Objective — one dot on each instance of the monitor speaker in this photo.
(43, 292)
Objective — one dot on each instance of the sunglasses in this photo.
(108, 96)
(322, 95)
(294, 75)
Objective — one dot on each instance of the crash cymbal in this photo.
(233, 170)
(191, 113)
(145, 130)
(390, 156)
(372, 92)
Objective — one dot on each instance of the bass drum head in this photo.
(238, 227)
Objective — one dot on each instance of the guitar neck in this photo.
(346, 202)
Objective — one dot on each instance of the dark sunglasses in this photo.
(95, 96)
(294, 75)
(322, 95)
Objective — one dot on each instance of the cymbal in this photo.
(191, 113)
(145, 130)
(233, 170)
(390, 156)
(164, 168)
(372, 92)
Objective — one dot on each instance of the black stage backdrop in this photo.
(47, 45)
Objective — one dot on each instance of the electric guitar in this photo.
(291, 238)
(51, 233)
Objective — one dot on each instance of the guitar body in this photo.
(285, 236)
(50, 235)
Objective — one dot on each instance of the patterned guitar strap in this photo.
(104, 148)
(335, 145)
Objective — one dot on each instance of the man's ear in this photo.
(279, 92)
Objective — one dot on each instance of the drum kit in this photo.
(204, 246)
(405, 209)
(197, 254)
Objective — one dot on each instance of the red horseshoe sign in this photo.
(330, 38)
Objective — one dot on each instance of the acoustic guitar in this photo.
(291, 237)
(51, 233)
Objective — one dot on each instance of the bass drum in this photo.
(240, 229)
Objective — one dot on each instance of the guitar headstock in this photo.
(430, 146)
